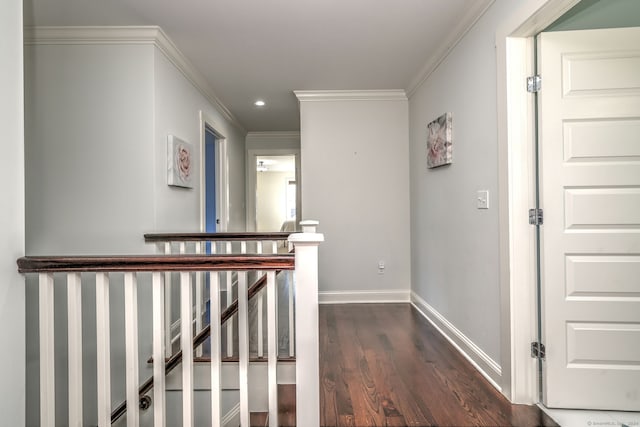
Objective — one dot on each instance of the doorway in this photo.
(276, 189)
(210, 206)
(515, 50)
(214, 179)
(273, 190)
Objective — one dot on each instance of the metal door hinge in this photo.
(537, 350)
(534, 83)
(536, 216)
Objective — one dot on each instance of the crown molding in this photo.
(274, 135)
(132, 35)
(351, 95)
(90, 35)
(474, 12)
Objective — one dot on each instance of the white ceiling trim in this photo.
(467, 21)
(274, 135)
(351, 95)
(130, 35)
(90, 35)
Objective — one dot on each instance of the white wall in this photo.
(273, 140)
(355, 181)
(177, 106)
(97, 119)
(454, 246)
(271, 191)
(12, 294)
(88, 142)
(89, 186)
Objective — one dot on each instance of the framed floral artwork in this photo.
(439, 141)
(180, 162)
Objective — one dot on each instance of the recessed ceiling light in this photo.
(259, 103)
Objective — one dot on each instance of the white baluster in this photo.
(74, 334)
(167, 304)
(274, 247)
(307, 336)
(229, 302)
(272, 336)
(186, 342)
(243, 347)
(215, 331)
(260, 303)
(131, 348)
(103, 350)
(47, 352)
(159, 399)
(292, 324)
(199, 303)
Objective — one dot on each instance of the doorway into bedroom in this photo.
(276, 190)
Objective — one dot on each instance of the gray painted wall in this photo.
(12, 294)
(177, 105)
(454, 246)
(355, 182)
(594, 14)
(273, 140)
(98, 118)
(89, 188)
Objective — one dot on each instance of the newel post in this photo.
(307, 325)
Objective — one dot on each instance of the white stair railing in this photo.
(140, 271)
(222, 243)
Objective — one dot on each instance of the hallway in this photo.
(385, 365)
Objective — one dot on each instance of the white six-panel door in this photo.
(589, 133)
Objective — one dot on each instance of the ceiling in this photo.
(266, 49)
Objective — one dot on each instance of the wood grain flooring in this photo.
(385, 365)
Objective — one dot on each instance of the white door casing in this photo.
(590, 191)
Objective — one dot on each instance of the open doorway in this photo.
(276, 193)
(273, 190)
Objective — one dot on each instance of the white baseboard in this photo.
(354, 297)
(474, 354)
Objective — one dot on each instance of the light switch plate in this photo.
(483, 199)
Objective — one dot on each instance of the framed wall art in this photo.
(180, 162)
(439, 142)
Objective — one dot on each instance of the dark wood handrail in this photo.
(138, 263)
(216, 237)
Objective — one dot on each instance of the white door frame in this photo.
(222, 174)
(252, 181)
(516, 187)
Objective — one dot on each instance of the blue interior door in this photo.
(211, 216)
(210, 210)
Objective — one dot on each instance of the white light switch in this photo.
(483, 199)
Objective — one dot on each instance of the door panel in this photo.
(602, 276)
(583, 140)
(211, 209)
(600, 72)
(589, 132)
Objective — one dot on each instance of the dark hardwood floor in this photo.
(385, 365)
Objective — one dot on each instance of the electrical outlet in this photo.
(380, 267)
